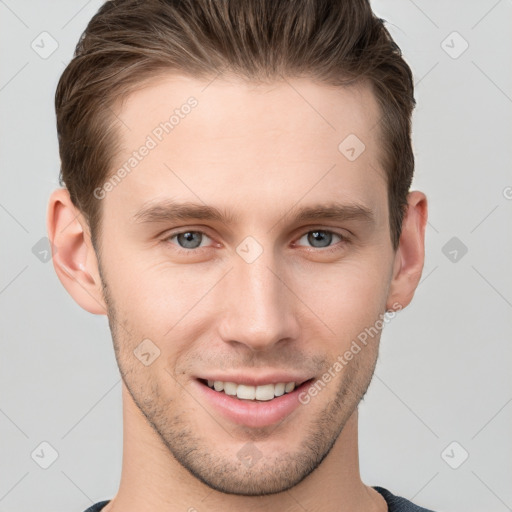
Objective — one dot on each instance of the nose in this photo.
(259, 310)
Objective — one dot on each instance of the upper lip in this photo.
(258, 380)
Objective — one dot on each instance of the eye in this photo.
(187, 240)
(321, 238)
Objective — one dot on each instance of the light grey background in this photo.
(444, 369)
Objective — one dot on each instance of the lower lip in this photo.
(253, 413)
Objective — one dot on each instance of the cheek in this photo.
(347, 297)
(149, 287)
(158, 301)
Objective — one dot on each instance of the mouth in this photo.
(260, 393)
(252, 405)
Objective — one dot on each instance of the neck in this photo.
(152, 479)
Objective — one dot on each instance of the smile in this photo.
(263, 392)
(252, 405)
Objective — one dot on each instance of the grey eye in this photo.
(189, 239)
(320, 238)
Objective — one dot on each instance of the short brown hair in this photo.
(129, 42)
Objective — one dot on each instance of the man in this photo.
(237, 202)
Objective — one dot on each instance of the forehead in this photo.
(229, 142)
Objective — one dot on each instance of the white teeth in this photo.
(246, 392)
(230, 388)
(279, 389)
(289, 387)
(265, 392)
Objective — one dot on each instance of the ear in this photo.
(73, 255)
(410, 254)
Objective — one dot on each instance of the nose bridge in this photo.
(259, 310)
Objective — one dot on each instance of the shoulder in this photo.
(399, 504)
(97, 507)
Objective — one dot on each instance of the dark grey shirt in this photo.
(395, 503)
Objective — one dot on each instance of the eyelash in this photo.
(325, 250)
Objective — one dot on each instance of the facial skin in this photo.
(257, 153)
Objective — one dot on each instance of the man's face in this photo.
(259, 297)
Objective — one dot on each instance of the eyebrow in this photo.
(172, 211)
(334, 211)
(169, 210)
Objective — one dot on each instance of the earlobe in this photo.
(74, 258)
(410, 255)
